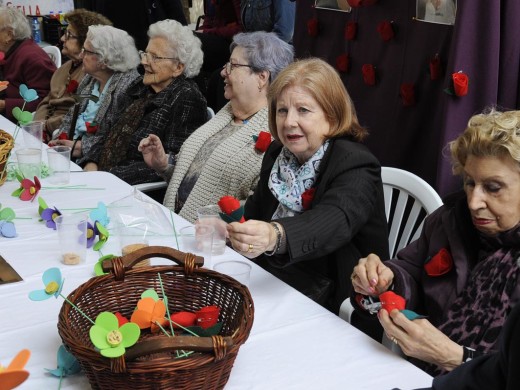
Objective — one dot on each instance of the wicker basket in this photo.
(152, 363)
(6, 145)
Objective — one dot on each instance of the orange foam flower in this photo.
(14, 374)
(149, 312)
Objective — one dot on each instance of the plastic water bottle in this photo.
(36, 33)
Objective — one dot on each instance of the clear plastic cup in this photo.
(33, 134)
(59, 164)
(239, 270)
(209, 215)
(29, 162)
(72, 233)
(198, 239)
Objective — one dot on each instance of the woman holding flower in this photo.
(67, 77)
(462, 272)
(319, 203)
(220, 157)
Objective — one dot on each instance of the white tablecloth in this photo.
(294, 343)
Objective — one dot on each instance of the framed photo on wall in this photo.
(436, 11)
(337, 5)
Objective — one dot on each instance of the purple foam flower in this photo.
(49, 215)
(92, 232)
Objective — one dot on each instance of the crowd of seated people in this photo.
(313, 199)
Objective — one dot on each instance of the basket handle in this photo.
(121, 264)
(218, 344)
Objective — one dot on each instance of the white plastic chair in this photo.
(54, 53)
(408, 201)
(211, 113)
(147, 187)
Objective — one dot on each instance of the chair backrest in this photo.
(54, 53)
(408, 200)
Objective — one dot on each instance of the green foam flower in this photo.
(111, 339)
(98, 269)
(103, 236)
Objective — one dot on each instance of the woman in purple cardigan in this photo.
(462, 272)
(24, 62)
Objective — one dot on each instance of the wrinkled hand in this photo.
(153, 153)
(76, 153)
(421, 340)
(252, 238)
(371, 276)
(90, 166)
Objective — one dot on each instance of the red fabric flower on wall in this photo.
(440, 264)
(350, 31)
(407, 93)
(354, 3)
(385, 30)
(342, 63)
(390, 301)
(435, 68)
(92, 127)
(72, 86)
(369, 74)
(307, 198)
(263, 140)
(460, 83)
(312, 27)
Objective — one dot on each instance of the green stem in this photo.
(61, 378)
(166, 300)
(77, 308)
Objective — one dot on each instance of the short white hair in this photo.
(115, 47)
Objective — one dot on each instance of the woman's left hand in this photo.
(421, 340)
(252, 238)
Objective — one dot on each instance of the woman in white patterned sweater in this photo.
(220, 157)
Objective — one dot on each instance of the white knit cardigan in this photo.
(232, 169)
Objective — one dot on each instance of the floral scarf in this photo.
(289, 180)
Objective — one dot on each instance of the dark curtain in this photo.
(483, 44)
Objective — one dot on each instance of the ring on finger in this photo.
(250, 248)
(394, 340)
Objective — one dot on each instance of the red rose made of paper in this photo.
(263, 141)
(72, 86)
(307, 198)
(312, 27)
(440, 264)
(390, 301)
(350, 31)
(435, 68)
(369, 74)
(407, 94)
(342, 63)
(91, 127)
(385, 30)
(460, 83)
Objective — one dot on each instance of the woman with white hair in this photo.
(24, 62)
(165, 103)
(109, 59)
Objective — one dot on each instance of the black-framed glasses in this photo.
(152, 58)
(229, 67)
(68, 35)
(83, 51)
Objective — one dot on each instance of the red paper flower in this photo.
(307, 198)
(207, 316)
(183, 318)
(407, 94)
(390, 301)
(385, 30)
(369, 74)
(63, 136)
(72, 86)
(121, 319)
(354, 3)
(342, 62)
(435, 68)
(92, 127)
(350, 31)
(28, 189)
(263, 141)
(312, 27)
(440, 264)
(460, 83)
(229, 206)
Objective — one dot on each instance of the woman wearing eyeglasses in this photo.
(24, 62)
(165, 102)
(109, 58)
(220, 158)
(67, 77)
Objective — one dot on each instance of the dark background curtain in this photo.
(483, 43)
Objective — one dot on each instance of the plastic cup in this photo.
(209, 215)
(29, 162)
(33, 134)
(132, 238)
(198, 240)
(59, 164)
(238, 270)
(72, 233)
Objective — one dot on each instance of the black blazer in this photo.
(346, 221)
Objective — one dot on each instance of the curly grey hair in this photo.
(116, 48)
(183, 44)
(15, 19)
(264, 51)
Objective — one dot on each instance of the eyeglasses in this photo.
(152, 58)
(83, 51)
(229, 67)
(68, 35)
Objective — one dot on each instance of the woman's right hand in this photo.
(371, 276)
(153, 153)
